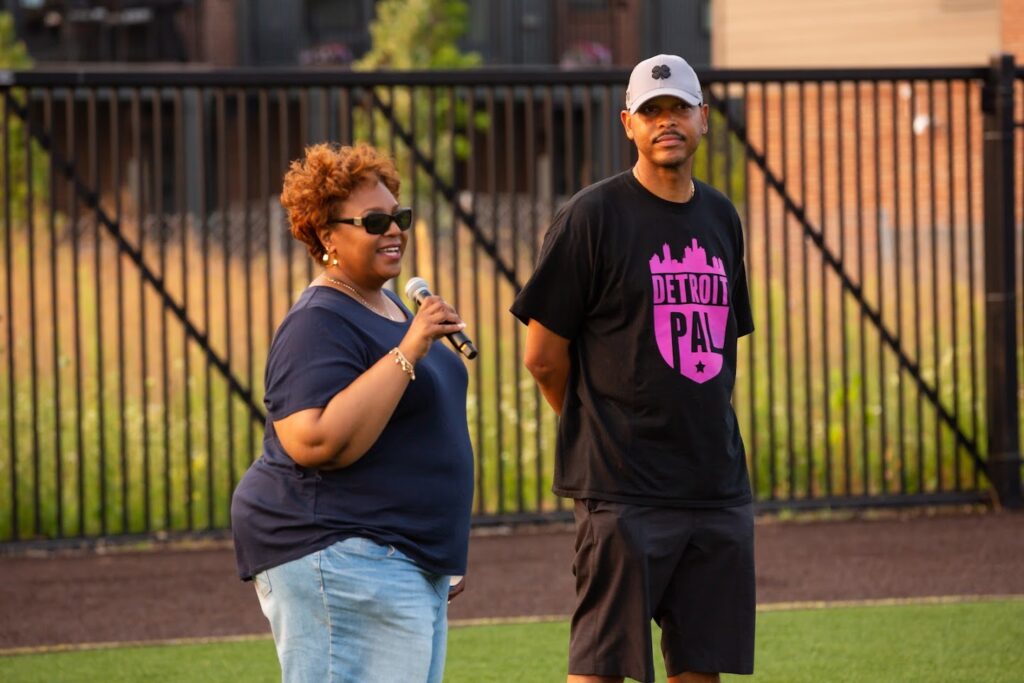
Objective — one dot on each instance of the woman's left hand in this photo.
(456, 589)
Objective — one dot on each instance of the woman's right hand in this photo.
(434, 319)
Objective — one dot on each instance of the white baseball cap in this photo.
(662, 75)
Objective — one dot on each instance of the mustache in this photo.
(669, 134)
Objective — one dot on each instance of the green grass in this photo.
(902, 644)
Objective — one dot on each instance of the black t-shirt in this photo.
(412, 489)
(652, 295)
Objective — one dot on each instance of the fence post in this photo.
(1001, 409)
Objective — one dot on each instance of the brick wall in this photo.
(793, 33)
(1012, 26)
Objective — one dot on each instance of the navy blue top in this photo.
(412, 489)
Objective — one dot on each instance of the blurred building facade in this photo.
(228, 33)
(805, 33)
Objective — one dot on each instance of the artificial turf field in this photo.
(927, 642)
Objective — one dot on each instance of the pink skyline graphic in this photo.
(695, 260)
(691, 310)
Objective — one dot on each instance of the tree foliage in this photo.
(418, 34)
(411, 35)
(14, 56)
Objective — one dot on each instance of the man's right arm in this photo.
(547, 359)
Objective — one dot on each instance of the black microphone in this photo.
(417, 289)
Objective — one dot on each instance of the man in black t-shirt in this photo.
(633, 313)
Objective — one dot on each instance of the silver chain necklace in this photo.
(359, 297)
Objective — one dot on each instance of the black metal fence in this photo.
(145, 263)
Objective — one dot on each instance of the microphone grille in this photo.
(414, 285)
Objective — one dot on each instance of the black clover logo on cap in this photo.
(660, 71)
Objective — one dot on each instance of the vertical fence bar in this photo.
(435, 222)
(548, 116)
(883, 440)
(160, 232)
(510, 185)
(31, 338)
(844, 265)
(787, 285)
(143, 341)
(282, 138)
(898, 281)
(823, 218)
(58, 432)
(786, 289)
(551, 191)
(951, 186)
(805, 270)
(586, 163)
(972, 295)
(224, 205)
(751, 345)
(204, 229)
(471, 183)
(264, 193)
(530, 129)
(1019, 126)
(709, 148)
(242, 104)
(77, 336)
(392, 133)
(93, 180)
(496, 312)
(568, 149)
(12, 391)
(122, 389)
(186, 226)
(606, 125)
(304, 140)
(769, 308)
(1004, 460)
(935, 326)
(858, 149)
(453, 164)
(915, 231)
(344, 116)
(413, 174)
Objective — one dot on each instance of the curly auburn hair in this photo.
(328, 174)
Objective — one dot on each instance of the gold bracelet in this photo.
(403, 362)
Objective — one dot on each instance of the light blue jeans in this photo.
(356, 611)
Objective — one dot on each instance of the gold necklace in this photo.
(693, 188)
(359, 297)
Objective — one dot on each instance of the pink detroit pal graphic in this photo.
(691, 310)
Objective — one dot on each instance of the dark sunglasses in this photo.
(377, 223)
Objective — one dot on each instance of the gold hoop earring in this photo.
(333, 260)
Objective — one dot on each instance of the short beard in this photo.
(673, 165)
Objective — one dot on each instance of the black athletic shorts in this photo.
(691, 570)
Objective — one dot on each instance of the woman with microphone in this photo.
(356, 514)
